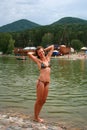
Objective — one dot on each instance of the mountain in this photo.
(19, 25)
(69, 20)
(24, 24)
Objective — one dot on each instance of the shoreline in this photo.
(20, 121)
(12, 120)
(78, 56)
(75, 56)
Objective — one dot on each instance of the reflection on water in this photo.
(67, 99)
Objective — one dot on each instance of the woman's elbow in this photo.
(52, 46)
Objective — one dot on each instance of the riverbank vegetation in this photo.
(73, 34)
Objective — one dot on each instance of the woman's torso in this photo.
(44, 71)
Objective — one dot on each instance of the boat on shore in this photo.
(21, 58)
(23, 51)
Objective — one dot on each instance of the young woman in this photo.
(42, 86)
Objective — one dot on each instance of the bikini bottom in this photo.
(44, 82)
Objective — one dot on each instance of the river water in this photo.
(67, 99)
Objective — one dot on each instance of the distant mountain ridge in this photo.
(70, 20)
(19, 25)
(24, 24)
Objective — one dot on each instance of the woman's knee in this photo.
(41, 101)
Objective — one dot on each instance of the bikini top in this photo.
(43, 66)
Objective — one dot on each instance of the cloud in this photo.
(40, 11)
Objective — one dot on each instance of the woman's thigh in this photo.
(40, 90)
(46, 89)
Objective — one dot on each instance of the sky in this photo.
(43, 12)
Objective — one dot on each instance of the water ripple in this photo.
(67, 97)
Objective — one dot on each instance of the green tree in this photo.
(10, 46)
(47, 39)
(5, 40)
(76, 44)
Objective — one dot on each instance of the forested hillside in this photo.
(71, 32)
(19, 25)
(70, 20)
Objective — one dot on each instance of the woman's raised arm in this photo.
(49, 49)
(31, 55)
